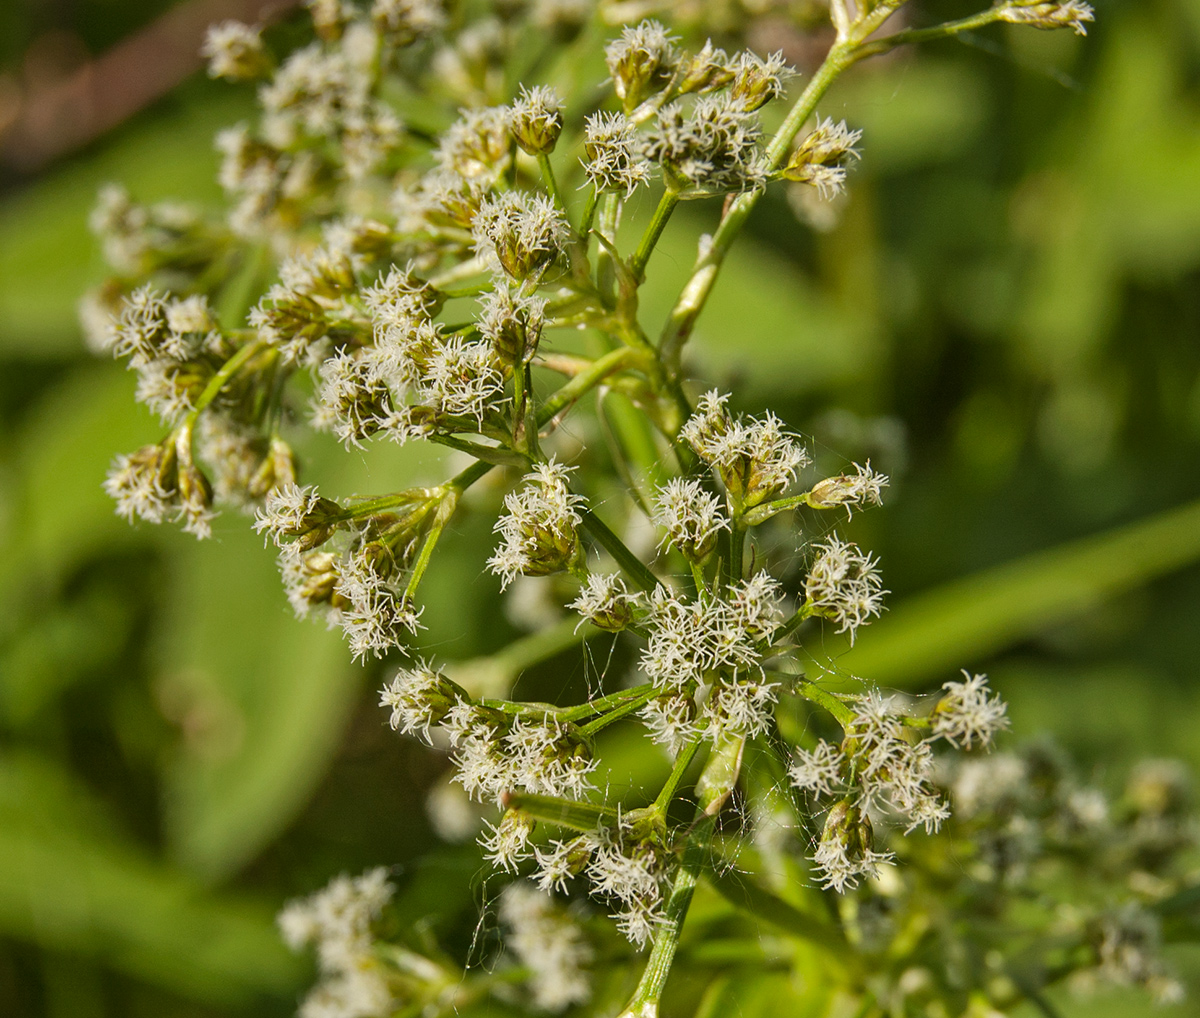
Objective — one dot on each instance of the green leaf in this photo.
(70, 883)
(960, 623)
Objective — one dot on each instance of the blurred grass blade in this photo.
(961, 623)
(69, 883)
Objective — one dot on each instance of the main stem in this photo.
(666, 941)
(704, 274)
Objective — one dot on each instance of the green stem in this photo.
(805, 611)
(550, 182)
(915, 35)
(704, 274)
(815, 694)
(626, 559)
(623, 710)
(596, 372)
(686, 755)
(645, 247)
(603, 703)
(218, 381)
(644, 1003)
(589, 213)
(445, 510)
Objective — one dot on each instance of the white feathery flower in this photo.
(818, 770)
(520, 232)
(742, 706)
(691, 517)
(507, 844)
(376, 616)
(164, 388)
(545, 759)
(712, 147)
(969, 712)
(690, 638)
(820, 159)
(538, 529)
(535, 119)
(234, 51)
(289, 511)
(863, 487)
(671, 721)
(480, 766)
(613, 158)
(549, 944)
(843, 585)
(141, 328)
(419, 698)
(756, 81)
(757, 604)
(606, 602)
(143, 485)
(476, 147)
(753, 458)
(353, 402)
(641, 61)
(190, 314)
(462, 380)
(560, 861)
(638, 921)
(841, 871)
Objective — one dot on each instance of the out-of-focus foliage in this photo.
(1009, 303)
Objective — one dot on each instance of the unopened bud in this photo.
(1070, 14)
(537, 120)
(641, 62)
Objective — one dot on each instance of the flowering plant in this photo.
(432, 284)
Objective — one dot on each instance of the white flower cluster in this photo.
(549, 944)
(360, 587)
(1071, 14)
(820, 159)
(862, 488)
(337, 921)
(753, 458)
(844, 585)
(618, 866)
(884, 767)
(711, 648)
(691, 517)
(538, 528)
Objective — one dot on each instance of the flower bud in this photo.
(755, 81)
(536, 120)
(1069, 14)
(277, 469)
(236, 52)
(707, 70)
(641, 62)
(525, 233)
(819, 160)
(513, 325)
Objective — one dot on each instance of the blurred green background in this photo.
(1004, 315)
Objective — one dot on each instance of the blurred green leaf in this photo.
(963, 622)
(68, 882)
(766, 320)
